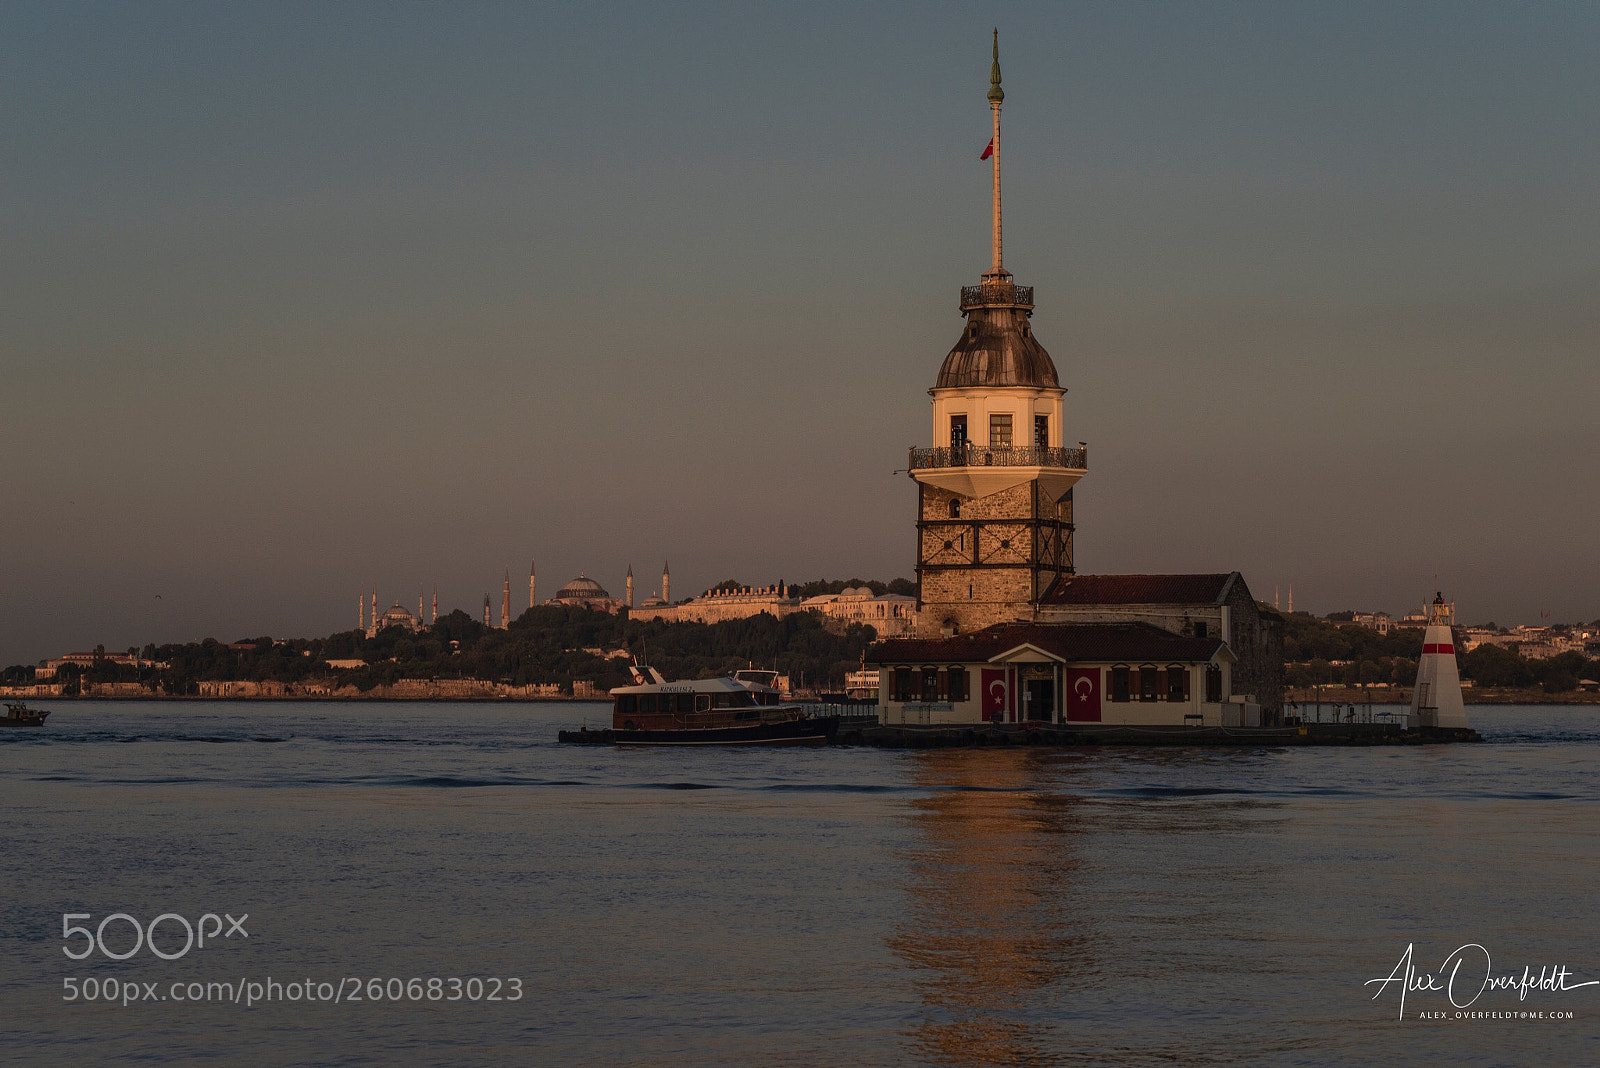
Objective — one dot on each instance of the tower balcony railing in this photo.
(971, 455)
(1004, 294)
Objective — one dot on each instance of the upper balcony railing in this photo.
(1003, 294)
(971, 455)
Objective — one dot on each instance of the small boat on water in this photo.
(723, 711)
(20, 715)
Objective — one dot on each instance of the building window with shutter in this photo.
(930, 684)
(1119, 684)
(902, 684)
(1213, 683)
(1149, 684)
(1177, 684)
(1000, 430)
(958, 684)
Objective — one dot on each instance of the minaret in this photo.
(419, 606)
(628, 584)
(361, 611)
(666, 584)
(486, 610)
(435, 618)
(505, 603)
(994, 493)
(372, 627)
(532, 599)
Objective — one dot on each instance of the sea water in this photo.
(575, 905)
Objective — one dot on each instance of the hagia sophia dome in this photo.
(581, 588)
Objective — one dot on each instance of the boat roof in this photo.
(719, 685)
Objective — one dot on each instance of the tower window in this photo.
(1000, 430)
(958, 431)
(955, 510)
(1041, 431)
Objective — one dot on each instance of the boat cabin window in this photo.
(627, 703)
(702, 702)
(647, 702)
(684, 701)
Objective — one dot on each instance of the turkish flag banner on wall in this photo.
(1083, 695)
(994, 694)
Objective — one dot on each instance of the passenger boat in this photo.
(723, 711)
(20, 715)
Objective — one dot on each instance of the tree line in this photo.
(546, 644)
(1333, 652)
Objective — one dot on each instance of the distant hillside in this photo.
(1322, 651)
(545, 645)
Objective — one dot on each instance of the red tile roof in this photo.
(1140, 589)
(1089, 642)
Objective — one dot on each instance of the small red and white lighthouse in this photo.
(1437, 701)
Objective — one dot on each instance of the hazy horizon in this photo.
(302, 300)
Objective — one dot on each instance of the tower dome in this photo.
(997, 346)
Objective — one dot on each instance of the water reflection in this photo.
(1023, 872)
(990, 870)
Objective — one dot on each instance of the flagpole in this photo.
(996, 96)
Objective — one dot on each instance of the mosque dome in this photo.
(581, 589)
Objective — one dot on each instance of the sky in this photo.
(299, 300)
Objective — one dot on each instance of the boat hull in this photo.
(817, 730)
(23, 716)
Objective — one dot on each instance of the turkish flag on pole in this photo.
(988, 151)
(1083, 695)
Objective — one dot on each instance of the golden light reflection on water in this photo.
(1007, 870)
(989, 898)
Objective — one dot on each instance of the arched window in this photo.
(955, 507)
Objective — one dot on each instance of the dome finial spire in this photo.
(997, 270)
(996, 94)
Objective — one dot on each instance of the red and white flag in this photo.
(988, 151)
